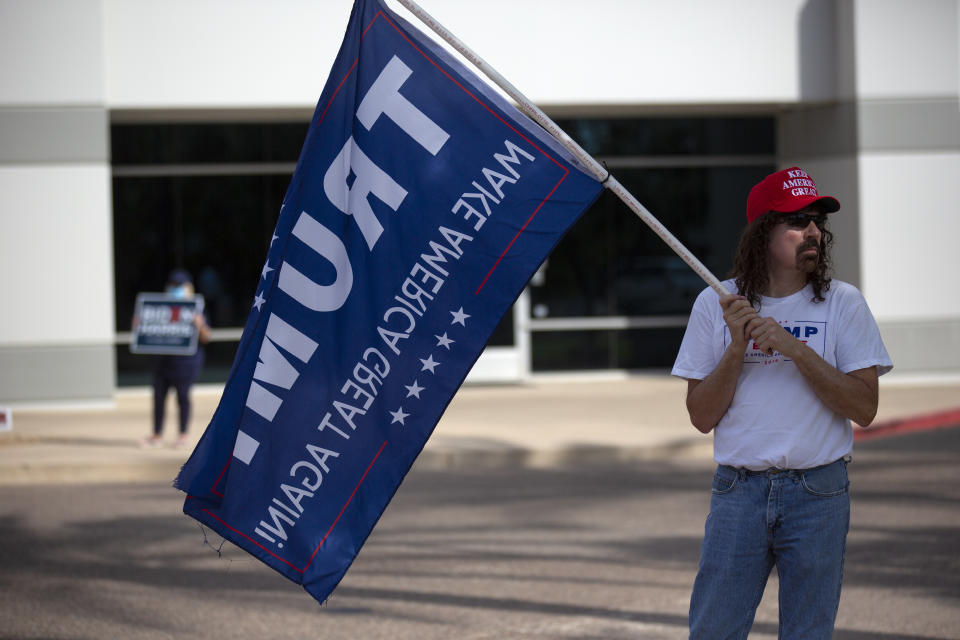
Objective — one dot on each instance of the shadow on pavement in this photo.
(457, 553)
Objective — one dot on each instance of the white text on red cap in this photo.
(801, 185)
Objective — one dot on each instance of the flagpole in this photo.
(597, 169)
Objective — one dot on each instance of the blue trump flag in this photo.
(421, 204)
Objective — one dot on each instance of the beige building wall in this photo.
(866, 92)
(56, 244)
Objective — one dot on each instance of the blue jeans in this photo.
(794, 519)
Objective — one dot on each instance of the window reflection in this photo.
(178, 202)
(611, 263)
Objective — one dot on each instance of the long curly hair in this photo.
(750, 262)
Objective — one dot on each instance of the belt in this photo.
(777, 471)
(772, 471)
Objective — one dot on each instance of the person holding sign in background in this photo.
(777, 372)
(177, 371)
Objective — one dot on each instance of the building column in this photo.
(888, 146)
(56, 245)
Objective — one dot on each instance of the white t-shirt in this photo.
(775, 419)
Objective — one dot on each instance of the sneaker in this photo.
(151, 442)
(181, 442)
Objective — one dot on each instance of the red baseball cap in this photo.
(786, 191)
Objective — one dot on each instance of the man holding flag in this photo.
(777, 371)
(421, 204)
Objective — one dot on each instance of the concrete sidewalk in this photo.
(549, 422)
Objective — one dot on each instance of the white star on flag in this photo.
(430, 364)
(444, 341)
(399, 416)
(459, 317)
(266, 269)
(258, 301)
(414, 389)
(274, 236)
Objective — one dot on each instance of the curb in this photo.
(446, 455)
(440, 458)
(114, 461)
(34, 474)
(926, 422)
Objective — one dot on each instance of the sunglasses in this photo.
(802, 220)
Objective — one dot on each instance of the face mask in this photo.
(178, 292)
